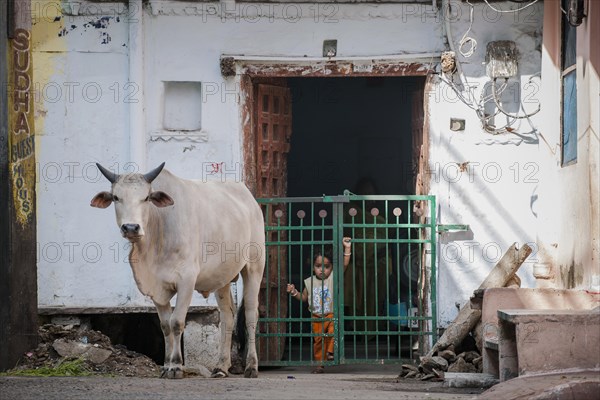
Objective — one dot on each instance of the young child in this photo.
(318, 291)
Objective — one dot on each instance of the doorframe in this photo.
(251, 72)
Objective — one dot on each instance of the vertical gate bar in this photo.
(387, 276)
(352, 232)
(288, 237)
(338, 320)
(420, 309)
(279, 266)
(268, 288)
(312, 238)
(323, 333)
(312, 257)
(377, 288)
(398, 272)
(364, 263)
(289, 298)
(267, 268)
(419, 298)
(410, 283)
(433, 278)
(422, 276)
(300, 305)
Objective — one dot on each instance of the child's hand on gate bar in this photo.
(347, 242)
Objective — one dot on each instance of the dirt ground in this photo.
(378, 383)
(118, 373)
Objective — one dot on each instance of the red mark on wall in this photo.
(216, 168)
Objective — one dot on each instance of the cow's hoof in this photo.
(236, 369)
(219, 373)
(251, 373)
(171, 372)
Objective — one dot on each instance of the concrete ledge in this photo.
(534, 341)
(521, 298)
(522, 316)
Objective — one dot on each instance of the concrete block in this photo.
(549, 340)
(201, 342)
(522, 298)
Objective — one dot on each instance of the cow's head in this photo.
(133, 197)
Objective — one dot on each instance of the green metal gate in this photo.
(384, 303)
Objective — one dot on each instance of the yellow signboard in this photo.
(21, 135)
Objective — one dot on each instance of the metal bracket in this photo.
(452, 228)
(336, 199)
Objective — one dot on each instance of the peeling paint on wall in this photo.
(46, 64)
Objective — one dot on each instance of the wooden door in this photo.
(273, 129)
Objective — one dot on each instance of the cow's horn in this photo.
(150, 176)
(111, 176)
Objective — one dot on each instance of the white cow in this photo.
(188, 235)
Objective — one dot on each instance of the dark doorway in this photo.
(345, 129)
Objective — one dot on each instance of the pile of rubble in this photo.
(467, 326)
(67, 342)
(434, 367)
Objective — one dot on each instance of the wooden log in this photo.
(467, 318)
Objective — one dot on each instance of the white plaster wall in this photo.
(496, 192)
(81, 119)
(188, 48)
(182, 47)
(568, 225)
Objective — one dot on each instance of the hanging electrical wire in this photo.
(510, 11)
(499, 106)
(467, 39)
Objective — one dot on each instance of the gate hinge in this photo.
(336, 199)
(452, 228)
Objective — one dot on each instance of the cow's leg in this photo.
(226, 311)
(177, 325)
(164, 315)
(252, 275)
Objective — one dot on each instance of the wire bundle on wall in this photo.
(465, 92)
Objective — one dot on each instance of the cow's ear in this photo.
(161, 199)
(102, 200)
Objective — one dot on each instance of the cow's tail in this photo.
(240, 330)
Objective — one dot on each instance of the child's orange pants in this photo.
(322, 345)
